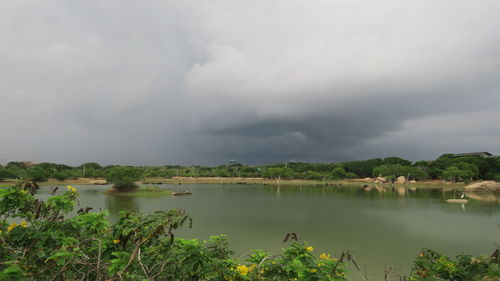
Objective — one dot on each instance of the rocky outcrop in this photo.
(380, 180)
(401, 180)
(484, 186)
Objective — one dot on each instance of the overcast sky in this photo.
(257, 81)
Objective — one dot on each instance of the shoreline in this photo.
(436, 184)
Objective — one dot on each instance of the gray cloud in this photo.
(258, 81)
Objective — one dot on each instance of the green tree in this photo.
(339, 173)
(279, 173)
(37, 173)
(460, 171)
(396, 160)
(123, 177)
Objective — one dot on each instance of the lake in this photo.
(381, 227)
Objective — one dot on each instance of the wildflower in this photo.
(421, 254)
(71, 188)
(252, 267)
(24, 224)
(309, 248)
(320, 264)
(242, 269)
(313, 270)
(324, 256)
(116, 241)
(12, 226)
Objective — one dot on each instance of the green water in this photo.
(381, 228)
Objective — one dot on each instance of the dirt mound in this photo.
(484, 186)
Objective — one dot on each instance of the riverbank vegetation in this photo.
(447, 167)
(37, 241)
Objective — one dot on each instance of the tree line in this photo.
(446, 167)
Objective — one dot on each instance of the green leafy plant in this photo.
(123, 177)
(431, 265)
(39, 241)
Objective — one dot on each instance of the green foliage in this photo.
(123, 177)
(6, 173)
(46, 246)
(431, 265)
(460, 171)
(279, 173)
(396, 160)
(467, 168)
(364, 168)
(36, 173)
(396, 170)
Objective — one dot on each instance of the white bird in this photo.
(463, 195)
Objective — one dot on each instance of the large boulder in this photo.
(485, 186)
(380, 180)
(401, 180)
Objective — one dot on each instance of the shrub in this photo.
(44, 245)
(123, 177)
(431, 265)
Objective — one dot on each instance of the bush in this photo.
(431, 265)
(36, 173)
(123, 177)
(46, 246)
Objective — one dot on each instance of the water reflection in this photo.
(116, 203)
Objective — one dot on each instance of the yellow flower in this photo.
(116, 241)
(421, 254)
(320, 264)
(71, 188)
(252, 267)
(313, 270)
(12, 226)
(24, 224)
(242, 269)
(324, 256)
(309, 248)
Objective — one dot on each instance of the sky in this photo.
(256, 81)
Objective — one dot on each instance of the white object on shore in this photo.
(461, 201)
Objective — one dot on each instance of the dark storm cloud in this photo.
(257, 81)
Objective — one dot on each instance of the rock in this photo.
(381, 180)
(366, 180)
(460, 201)
(401, 190)
(401, 179)
(485, 186)
(413, 181)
